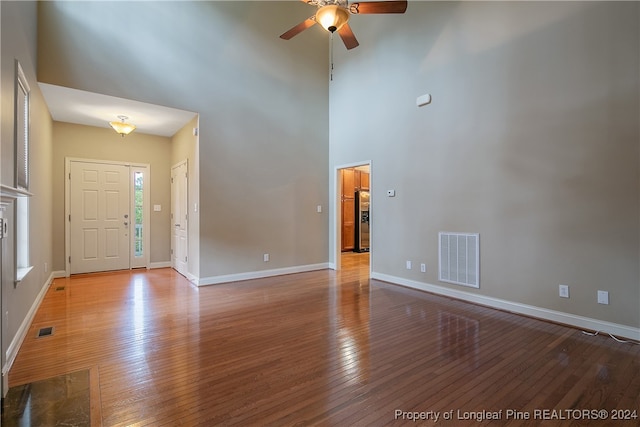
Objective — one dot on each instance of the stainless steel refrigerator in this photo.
(362, 221)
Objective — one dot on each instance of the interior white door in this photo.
(99, 217)
(179, 218)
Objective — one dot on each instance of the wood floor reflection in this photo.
(319, 348)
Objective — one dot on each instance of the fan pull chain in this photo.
(331, 58)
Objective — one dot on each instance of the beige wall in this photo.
(184, 146)
(18, 37)
(262, 101)
(532, 140)
(88, 142)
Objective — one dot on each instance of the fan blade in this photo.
(347, 36)
(309, 22)
(367, 7)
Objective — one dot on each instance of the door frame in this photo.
(146, 196)
(336, 249)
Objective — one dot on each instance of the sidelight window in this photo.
(138, 217)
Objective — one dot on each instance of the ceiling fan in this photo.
(333, 15)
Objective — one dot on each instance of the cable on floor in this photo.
(593, 334)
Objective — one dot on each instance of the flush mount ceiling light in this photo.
(121, 127)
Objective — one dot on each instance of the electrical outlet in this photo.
(563, 290)
(408, 265)
(603, 297)
(423, 268)
(265, 257)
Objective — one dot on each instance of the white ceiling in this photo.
(92, 109)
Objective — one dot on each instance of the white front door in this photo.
(99, 217)
(179, 218)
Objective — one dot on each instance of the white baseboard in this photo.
(163, 264)
(58, 274)
(215, 280)
(192, 278)
(167, 264)
(582, 322)
(21, 334)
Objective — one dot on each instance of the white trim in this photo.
(516, 307)
(59, 274)
(106, 162)
(162, 264)
(22, 78)
(192, 278)
(21, 273)
(14, 346)
(215, 280)
(12, 192)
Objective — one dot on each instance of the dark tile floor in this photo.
(58, 401)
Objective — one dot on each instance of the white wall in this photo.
(532, 140)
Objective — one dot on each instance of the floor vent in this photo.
(459, 258)
(60, 288)
(45, 332)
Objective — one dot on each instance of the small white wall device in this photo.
(423, 100)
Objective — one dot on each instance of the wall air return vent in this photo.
(459, 258)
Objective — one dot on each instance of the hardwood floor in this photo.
(319, 348)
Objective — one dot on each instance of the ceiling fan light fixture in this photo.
(332, 17)
(122, 127)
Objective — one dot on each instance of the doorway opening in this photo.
(353, 215)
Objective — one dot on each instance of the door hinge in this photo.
(172, 180)
(69, 176)
(69, 260)
(171, 251)
(69, 217)
(185, 259)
